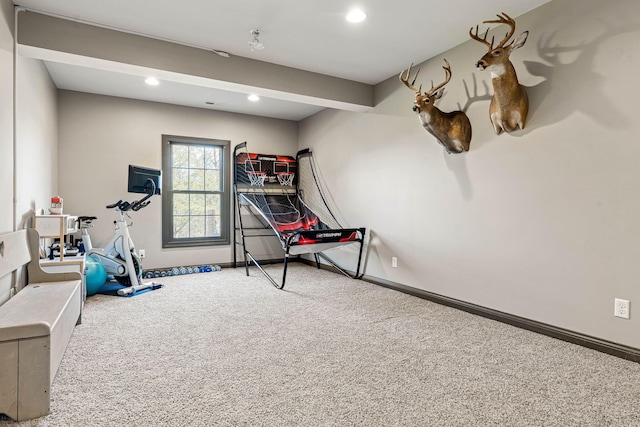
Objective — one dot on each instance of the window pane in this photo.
(180, 227)
(180, 179)
(181, 204)
(213, 215)
(196, 207)
(212, 182)
(212, 227)
(196, 179)
(212, 157)
(179, 155)
(196, 156)
(196, 226)
(213, 204)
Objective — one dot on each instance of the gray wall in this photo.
(6, 115)
(541, 223)
(37, 139)
(100, 136)
(6, 129)
(36, 130)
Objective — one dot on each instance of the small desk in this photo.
(56, 226)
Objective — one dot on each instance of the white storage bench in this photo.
(35, 327)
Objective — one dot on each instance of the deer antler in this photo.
(447, 71)
(481, 40)
(503, 19)
(405, 80)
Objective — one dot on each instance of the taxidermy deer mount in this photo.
(510, 104)
(452, 130)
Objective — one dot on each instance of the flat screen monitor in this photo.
(144, 180)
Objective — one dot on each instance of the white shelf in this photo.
(56, 226)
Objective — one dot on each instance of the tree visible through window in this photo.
(195, 191)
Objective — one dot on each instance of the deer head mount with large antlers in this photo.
(452, 130)
(510, 104)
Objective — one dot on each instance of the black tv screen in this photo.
(144, 180)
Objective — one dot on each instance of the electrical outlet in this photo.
(141, 253)
(394, 262)
(621, 308)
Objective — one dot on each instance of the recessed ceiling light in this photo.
(152, 81)
(356, 15)
(253, 97)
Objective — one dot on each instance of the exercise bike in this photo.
(119, 256)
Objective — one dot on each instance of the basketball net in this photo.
(310, 193)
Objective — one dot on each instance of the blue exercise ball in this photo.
(95, 274)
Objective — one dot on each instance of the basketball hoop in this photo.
(257, 178)
(286, 178)
(283, 214)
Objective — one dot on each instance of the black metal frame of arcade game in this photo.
(281, 213)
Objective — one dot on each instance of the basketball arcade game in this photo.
(268, 187)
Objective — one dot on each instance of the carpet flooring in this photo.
(223, 349)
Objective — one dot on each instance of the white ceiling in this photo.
(311, 36)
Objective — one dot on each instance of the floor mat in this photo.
(112, 288)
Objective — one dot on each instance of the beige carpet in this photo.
(223, 349)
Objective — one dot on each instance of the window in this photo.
(195, 192)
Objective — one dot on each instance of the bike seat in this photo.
(86, 218)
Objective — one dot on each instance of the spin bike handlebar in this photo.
(124, 206)
(136, 205)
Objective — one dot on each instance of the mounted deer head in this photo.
(452, 130)
(509, 105)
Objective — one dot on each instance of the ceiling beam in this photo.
(52, 38)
